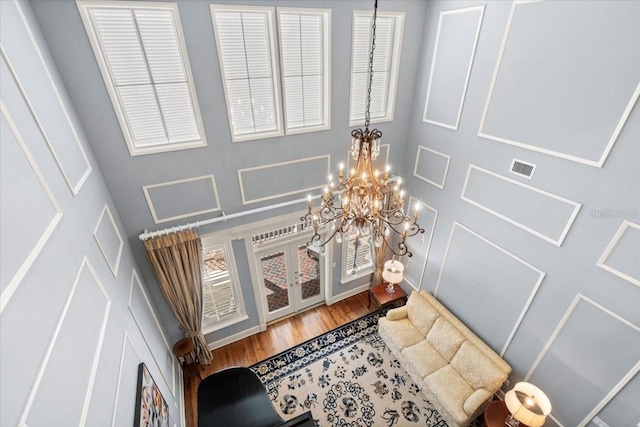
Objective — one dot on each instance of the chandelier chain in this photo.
(367, 114)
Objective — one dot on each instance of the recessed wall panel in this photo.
(109, 241)
(420, 244)
(485, 286)
(456, 41)
(539, 212)
(624, 405)
(431, 166)
(44, 100)
(124, 406)
(83, 320)
(23, 190)
(145, 317)
(622, 256)
(594, 349)
(283, 179)
(537, 99)
(173, 200)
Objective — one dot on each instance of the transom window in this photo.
(142, 57)
(249, 64)
(386, 61)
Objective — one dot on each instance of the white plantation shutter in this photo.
(221, 299)
(244, 39)
(304, 54)
(140, 53)
(385, 65)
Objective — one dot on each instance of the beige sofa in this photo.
(457, 372)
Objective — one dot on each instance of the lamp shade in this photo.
(392, 272)
(528, 404)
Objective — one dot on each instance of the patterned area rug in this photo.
(346, 377)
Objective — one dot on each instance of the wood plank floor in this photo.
(277, 338)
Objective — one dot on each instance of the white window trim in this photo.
(83, 7)
(395, 64)
(275, 70)
(208, 241)
(327, 67)
(345, 276)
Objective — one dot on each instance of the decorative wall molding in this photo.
(440, 184)
(435, 59)
(77, 186)
(531, 296)
(245, 171)
(45, 361)
(15, 281)
(153, 210)
(623, 381)
(612, 245)
(607, 149)
(170, 383)
(113, 264)
(233, 338)
(412, 202)
(125, 340)
(557, 240)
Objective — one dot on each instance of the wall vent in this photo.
(522, 168)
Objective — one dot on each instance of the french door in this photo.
(292, 277)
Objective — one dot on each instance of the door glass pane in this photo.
(274, 272)
(309, 268)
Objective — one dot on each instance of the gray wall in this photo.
(75, 324)
(126, 175)
(512, 261)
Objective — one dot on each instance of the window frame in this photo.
(326, 53)
(345, 276)
(275, 69)
(84, 7)
(208, 244)
(395, 65)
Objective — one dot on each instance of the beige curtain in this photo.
(175, 259)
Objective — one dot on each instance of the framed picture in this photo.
(151, 408)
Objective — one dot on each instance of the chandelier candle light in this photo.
(369, 202)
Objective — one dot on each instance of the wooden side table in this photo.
(496, 414)
(183, 350)
(383, 298)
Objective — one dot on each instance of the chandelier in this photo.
(369, 202)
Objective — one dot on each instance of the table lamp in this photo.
(392, 273)
(527, 404)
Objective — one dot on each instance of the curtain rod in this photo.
(149, 234)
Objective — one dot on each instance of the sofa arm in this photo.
(475, 400)
(397, 313)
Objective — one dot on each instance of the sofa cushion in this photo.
(445, 338)
(421, 313)
(401, 332)
(476, 368)
(476, 400)
(424, 358)
(452, 390)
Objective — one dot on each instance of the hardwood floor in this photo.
(277, 338)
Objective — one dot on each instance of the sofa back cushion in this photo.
(421, 313)
(445, 338)
(477, 369)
